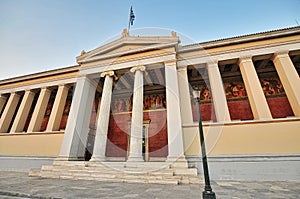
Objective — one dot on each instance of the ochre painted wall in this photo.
(247, 138)
(37, 144)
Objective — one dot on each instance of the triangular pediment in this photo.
(128, 45)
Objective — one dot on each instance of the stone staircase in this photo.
(138, 172)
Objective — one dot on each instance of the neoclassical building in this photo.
(128, 104)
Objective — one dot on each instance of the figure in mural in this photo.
(205, 94)
(158, 102)
(147, 102)
(164, 101)
(151, 102)
(272, 86)
(235, 90)
(129, 104)
(67, 107)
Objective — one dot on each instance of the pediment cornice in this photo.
(126, 46)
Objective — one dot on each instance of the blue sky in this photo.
(39, 35)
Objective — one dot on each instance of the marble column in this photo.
(189, 135)
(2, 102)
(9, 112)
(103, 118)
(58, 108)
(185, 96)
(23, 112)
(289, 79)
(136, 136)
(218, 93)
(39, 110)
(76, 133)
(174, 123)
(257, 99)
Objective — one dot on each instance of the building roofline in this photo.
(242, 39)
(58, 71)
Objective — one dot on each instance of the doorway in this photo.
(145, 140)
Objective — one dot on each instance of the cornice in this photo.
(241, 39)
(41, 74)
(242, 51)
(97, 56)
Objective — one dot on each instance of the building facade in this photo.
(130, 100)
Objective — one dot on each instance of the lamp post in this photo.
(208, 192)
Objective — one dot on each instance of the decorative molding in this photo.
(69, 69)
(241, 39)
(46, 84)
(236, 53)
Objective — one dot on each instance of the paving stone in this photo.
(20, 185)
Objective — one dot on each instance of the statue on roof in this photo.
(125, 32)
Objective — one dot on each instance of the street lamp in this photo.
(208, 192)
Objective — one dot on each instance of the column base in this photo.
(135, 159)
(97, 159)
(65, 158)
(177, 162)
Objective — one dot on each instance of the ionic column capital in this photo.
(135, 68)
(109, 73)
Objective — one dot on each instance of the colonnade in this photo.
(258, 103)
(16, 107)
(77, 131)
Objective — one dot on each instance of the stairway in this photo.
(138, 172)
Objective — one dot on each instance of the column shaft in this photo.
(9, 112)
(2, 102)
(23, 112)
(189, 135)
(218, 93)
(74, 142)
(289, 79)
(39, 111)
(103, 118)
(58, 108)
(136, 136)
(174, 123)
(185, 97)
(257, 99)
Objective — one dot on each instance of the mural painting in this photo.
(151, 102)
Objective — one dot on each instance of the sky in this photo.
(41, 35)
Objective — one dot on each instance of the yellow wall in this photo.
(42, 144)
(282, 137)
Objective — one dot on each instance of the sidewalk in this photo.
(19, 185)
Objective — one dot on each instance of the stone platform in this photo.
(131, 172)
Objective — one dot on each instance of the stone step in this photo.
(186, 172)
(159, 173)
